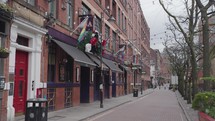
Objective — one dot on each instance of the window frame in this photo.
(107, 36)
(31, 2)
(70, 13)
(97, 24)
(51, 63)
(114, 36)
(53, 8)
(119, 17)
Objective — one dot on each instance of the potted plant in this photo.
(205, 103)
(4, 52)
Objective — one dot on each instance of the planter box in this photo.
(205, 117)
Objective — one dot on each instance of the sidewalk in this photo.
(87, 110)
(191, 114)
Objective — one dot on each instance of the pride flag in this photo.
(83, 25)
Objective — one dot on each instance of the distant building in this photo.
(160, 72)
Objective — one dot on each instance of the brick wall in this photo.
(91, 93)
(60, 96)
(76, 96)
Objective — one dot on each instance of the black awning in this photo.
(75, 53)
(97, 60)
(112, 65)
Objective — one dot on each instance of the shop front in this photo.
(69, 73)
(96, 78)
(113, 84)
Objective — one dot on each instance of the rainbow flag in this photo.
(83, 31)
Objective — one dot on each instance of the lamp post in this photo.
(111, 18)
(101, 67)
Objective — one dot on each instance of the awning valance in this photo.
(75, 53)
(97, 60)
(112, 65)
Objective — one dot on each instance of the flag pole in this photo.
(121, 49)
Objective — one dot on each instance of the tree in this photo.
(186, 25)
(180, 60)
(205, 30)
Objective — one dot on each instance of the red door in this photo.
(20, 86)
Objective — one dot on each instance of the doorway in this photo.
(20, 82)
(85, 85)
(114, 84)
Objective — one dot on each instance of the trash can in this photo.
(135, 92)
(36, 109)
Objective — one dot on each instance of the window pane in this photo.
(52, 8)
(32, 2)
(68, 97)
(21, 72)
(70, 12)
(51, 63)
(51, 94)
(107, 36)
(20, 89)
(97, 24)
(85, 10)
(114, 41)
(119, 17)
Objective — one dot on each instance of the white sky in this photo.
(156, 19)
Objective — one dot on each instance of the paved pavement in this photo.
(191, 114)
(161, 105)
(85, 111)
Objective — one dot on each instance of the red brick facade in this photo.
(129, 29)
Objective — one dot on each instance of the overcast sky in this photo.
(156, 19)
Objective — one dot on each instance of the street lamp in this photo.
(110, 19)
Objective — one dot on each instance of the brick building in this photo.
(47, 61)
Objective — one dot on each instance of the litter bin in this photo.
(135, 92)
(36, 109)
